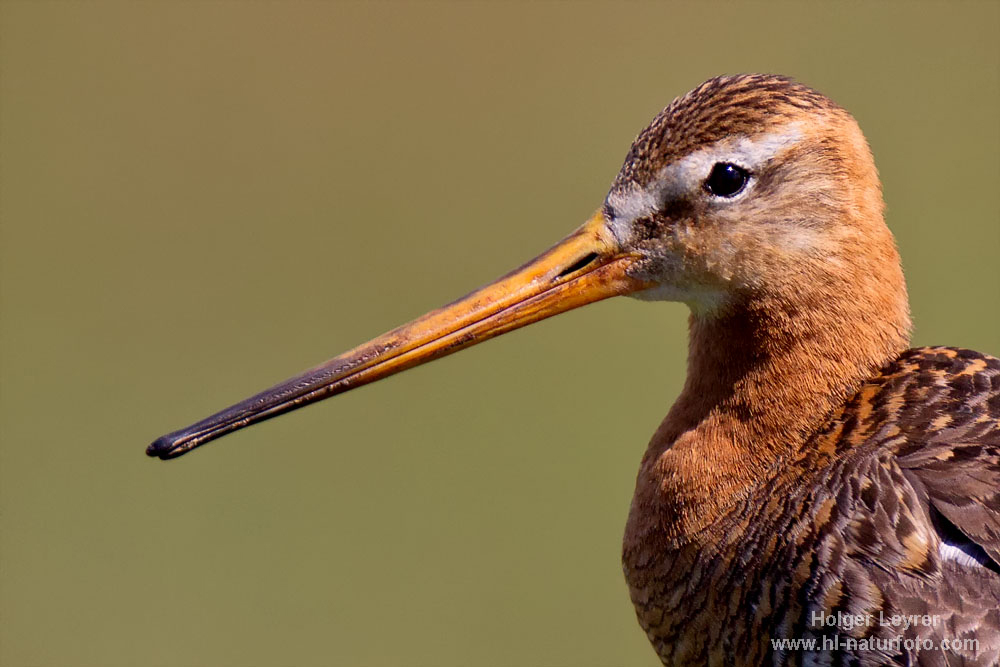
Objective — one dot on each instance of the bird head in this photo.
(751, 189)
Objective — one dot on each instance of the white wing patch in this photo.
(958, 554)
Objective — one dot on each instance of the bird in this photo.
(820, 493)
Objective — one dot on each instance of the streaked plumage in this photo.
(812, 468)
(851, 522)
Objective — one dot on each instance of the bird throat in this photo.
(762, 378)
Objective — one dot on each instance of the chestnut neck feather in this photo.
(763, 376)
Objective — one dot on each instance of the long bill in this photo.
(585, 267)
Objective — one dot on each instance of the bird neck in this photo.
(763, 377)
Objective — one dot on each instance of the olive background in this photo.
(200, 199)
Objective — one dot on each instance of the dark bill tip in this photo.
(162, 448)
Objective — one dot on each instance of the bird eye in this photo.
(726, 180)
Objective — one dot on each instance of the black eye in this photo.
(726, 180)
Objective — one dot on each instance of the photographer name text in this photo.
(851, 621)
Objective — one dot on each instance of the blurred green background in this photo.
(200, 199)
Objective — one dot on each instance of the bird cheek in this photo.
(707, 254)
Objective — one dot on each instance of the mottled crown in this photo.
(725, 106)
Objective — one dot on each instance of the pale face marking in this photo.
(686, 177)
(689, 173)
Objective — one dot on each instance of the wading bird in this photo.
(815, 480)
